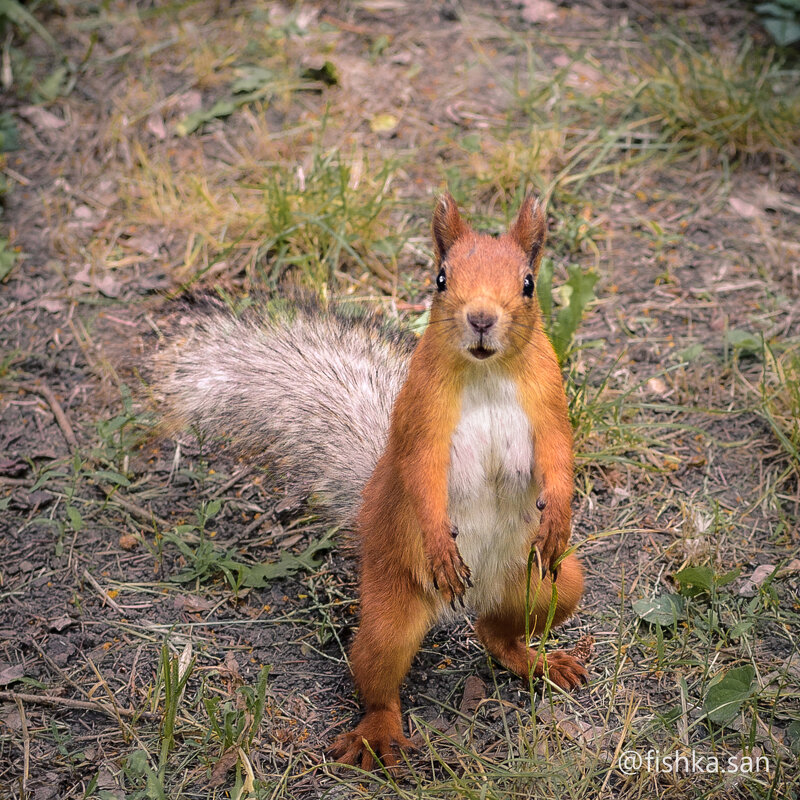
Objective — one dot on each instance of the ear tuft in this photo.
(529, 230)
(448, 226)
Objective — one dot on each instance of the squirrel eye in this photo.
(527, 286)
(441, 280)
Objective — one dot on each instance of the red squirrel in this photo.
(462, 447)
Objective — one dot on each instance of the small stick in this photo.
(61, 418)
(26, 744)
(103, 593)
(235, 479)
(136, 510)
(84, 705)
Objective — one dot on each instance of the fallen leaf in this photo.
(231, 664)
(656, 386)
(383, 123)
(10, 674)
(51, 305)
(41, 118)
(745, 209)
(12, 719)
(583, 649)
(535, 11)
(750, 586)
(193, 604)
(59, 623)
(474, 695)
(156, 126)
(189, 101)
(128, 541)
(13, 467)
(225, 763)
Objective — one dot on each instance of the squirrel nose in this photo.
(481, 321)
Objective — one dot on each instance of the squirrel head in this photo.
(485, 304)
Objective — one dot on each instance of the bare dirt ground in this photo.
(226, 146)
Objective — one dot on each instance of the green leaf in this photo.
(690, 354)
(740, 628)
(544, 287)
(117, 478)
(727, 693)
(18, 14)
(222, 108)
(75, 519)
(666, 609)
(326, 74)
(8, 257)
(251, 79)
(743, 340)
(212, 509)
(419, 324)
(793, 732)
(580, 289)
(783, 31)
(9, 135)
(699, 577)
(260, 575)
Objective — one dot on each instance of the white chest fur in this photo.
(491, 490)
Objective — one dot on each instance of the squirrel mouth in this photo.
(480, 352)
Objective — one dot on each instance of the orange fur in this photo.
(410, 564)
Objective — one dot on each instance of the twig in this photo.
(61, 418)
(26, 744)
(235, 479)
(103, 593)
(113, 496)
(84, 705)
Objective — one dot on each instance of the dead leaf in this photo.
(474, 695)
(656, 386)
(225, 763)
(128, 541)
(41, 119)
(745, 209)
(12, 719)
(383, 123)
(13, 467)
(231, 664)
(59, 623)
(535, 11)
(750, 587)
(583, 649)
(10, 674)
(189, 102)
(193, 604)
(156, 126)
(51, 305)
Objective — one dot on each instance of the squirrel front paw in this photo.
(451, 576)
(552, 538)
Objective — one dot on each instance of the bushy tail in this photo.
(310, 388)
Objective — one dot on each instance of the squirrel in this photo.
(451, 457)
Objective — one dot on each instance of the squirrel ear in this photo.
(448, 226)
(530, 230)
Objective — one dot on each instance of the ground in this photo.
(228, 147)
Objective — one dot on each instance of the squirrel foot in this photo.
(564, 669)
(451, 576)
(377, 735)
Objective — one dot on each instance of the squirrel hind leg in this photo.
(501, 629)
(395, 616)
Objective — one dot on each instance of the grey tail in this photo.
(308, 389)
